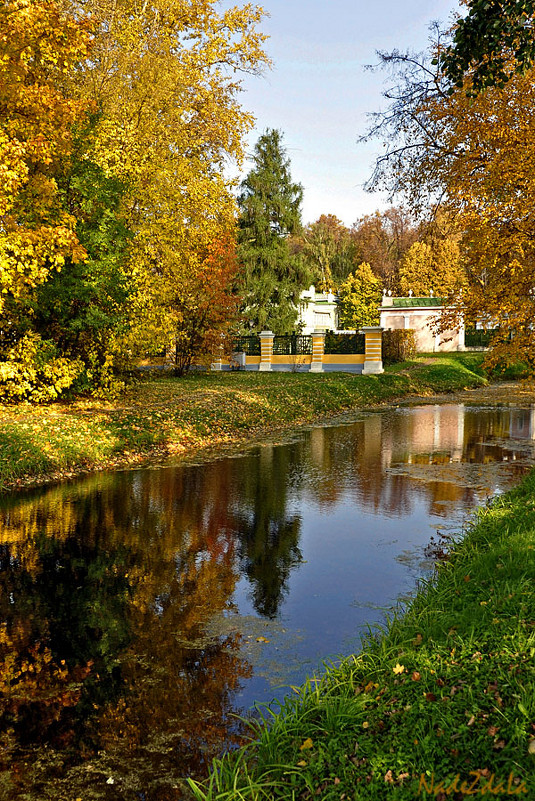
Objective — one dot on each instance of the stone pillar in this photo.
(266, 350)
(373, 350)
(462, 331)
(318, 349)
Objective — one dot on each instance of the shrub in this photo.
(398, 345)
(33, 370)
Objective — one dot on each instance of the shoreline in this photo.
(204, 417)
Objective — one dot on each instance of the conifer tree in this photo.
(272, 275)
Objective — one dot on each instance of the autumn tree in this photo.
(473, 153)
(272, 276)
(38, 47)
(359, 298)
(166, 78)
(328, 250)
(381, 240)
(208, 307)
(432, 268)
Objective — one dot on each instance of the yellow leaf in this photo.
(399, 668)
(306, 745)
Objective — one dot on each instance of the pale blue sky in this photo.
(318, 92)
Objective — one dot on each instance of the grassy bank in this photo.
(441, 704)
(175, 417)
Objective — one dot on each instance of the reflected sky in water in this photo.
(140, 610)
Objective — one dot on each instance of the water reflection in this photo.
(378, 458)
(140, 610)
(106, 589)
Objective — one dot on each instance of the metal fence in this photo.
(301, 345)
(478, 337)
(344, 343)
(248, 345)
(292, 345)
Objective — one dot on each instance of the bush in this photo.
(33, 370)
(398, 345)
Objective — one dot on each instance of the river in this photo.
(142, 610)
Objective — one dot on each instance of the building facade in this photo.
(318, 311)
(422, 315)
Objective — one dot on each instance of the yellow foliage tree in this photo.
(474, 154)
(359, 298)
(39, 47)
(491, 188)
(163, 75)
(435, 268)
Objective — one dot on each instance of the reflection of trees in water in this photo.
(106, 590)
(357, 460)
(107, 586)
(268, 535)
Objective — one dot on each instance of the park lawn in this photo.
(201, 414)
(440, 702)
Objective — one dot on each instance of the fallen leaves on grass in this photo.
(307, 744)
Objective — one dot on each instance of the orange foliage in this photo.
(207, 305)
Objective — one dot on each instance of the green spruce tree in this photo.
(273, 273)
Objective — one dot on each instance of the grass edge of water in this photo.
(453, 671)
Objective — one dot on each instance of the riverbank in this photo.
(201, 416)
(439, 704)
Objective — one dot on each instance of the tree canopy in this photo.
(471, 155)
(382, 239)
(117, 120)
(166, 76)
(359, 298)
(328, 250)
(494, 39)
(38, 48)
(432, 268)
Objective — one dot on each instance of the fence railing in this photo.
(478, 337)
(316, 353)
(301, 345)
(248, 345)
(344, 343)
(292, 345)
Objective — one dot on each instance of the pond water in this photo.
(140, 611)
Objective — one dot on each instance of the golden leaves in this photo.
(169, 133)
(38, 45)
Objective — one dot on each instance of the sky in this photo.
(318, 92)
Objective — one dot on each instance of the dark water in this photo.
(141, 610)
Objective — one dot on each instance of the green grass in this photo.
(179, 417)
(444, 694)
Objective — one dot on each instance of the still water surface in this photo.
(141, 610)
